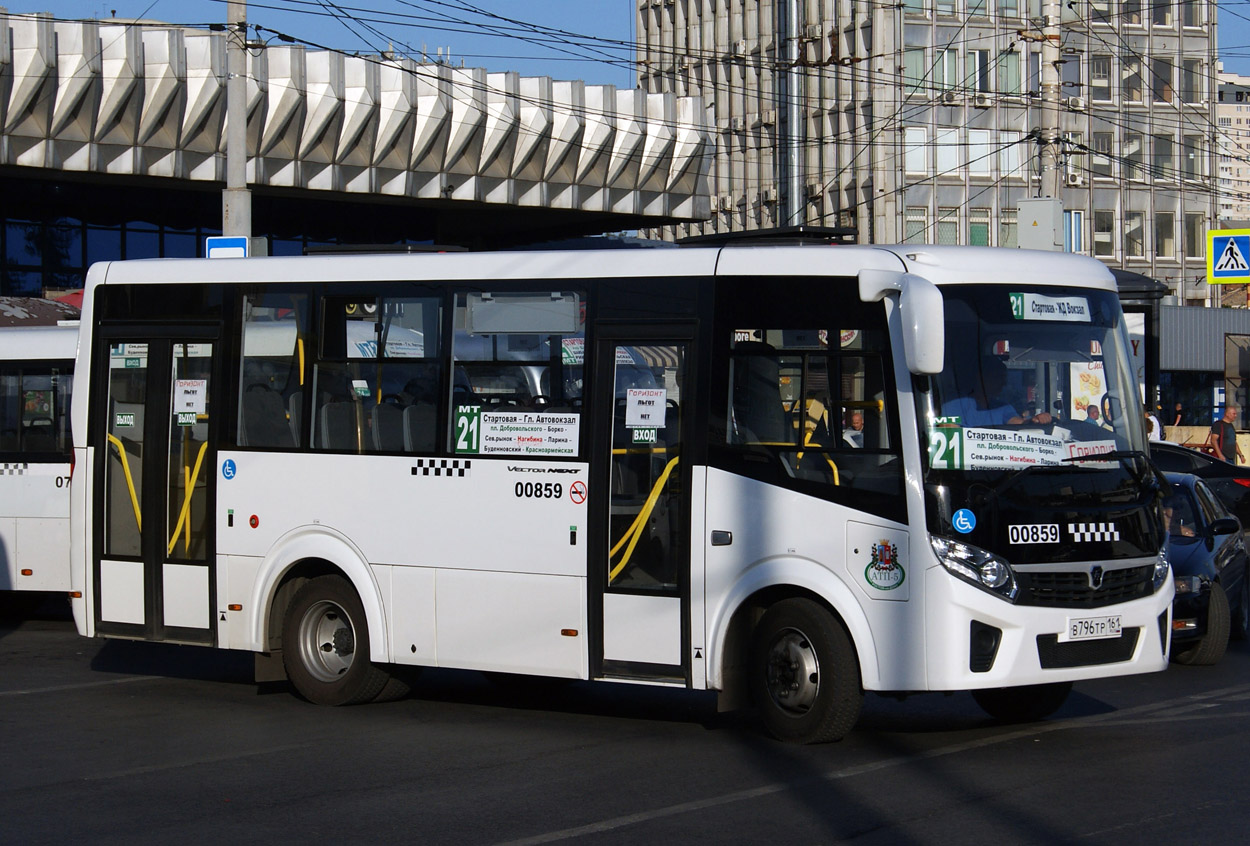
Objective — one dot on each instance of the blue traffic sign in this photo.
(1228, 256)
(226, 246)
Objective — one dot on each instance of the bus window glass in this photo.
(518, 362)
(378, 374)
(275, 326)
(127, 397)
(34, 409)
(816, 401)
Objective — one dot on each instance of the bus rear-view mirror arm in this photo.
(920, 306)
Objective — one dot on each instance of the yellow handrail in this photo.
(807, 441)
(634, 532)
(183, 516)
(130, 482)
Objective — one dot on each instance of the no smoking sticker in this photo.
(577, 492)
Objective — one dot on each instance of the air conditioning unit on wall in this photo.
(1074, 180)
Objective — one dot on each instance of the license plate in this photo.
(1092, 628)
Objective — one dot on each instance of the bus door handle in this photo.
(722, 538)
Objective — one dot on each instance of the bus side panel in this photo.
(34, 532)
(783, 538)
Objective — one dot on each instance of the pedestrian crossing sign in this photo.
(1228, 256)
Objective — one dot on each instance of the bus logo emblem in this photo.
(884, 571)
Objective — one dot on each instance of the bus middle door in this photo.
(640, 555)
(153, 568)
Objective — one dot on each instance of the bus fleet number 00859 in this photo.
(1033, 533)
(539, 490)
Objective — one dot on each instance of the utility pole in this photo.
(1050, 84)
(236, 200)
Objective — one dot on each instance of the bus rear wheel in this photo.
(804, 673)
(325, 645)
(1024, 704)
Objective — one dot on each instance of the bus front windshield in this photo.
(1031, 377)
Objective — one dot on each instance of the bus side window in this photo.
(271, 376)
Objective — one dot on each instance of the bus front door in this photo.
(640, 488)
(153, 499)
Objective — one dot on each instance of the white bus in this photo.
(773, 472)
(36, 375)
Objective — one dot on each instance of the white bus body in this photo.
(691, 503)
(36, 372)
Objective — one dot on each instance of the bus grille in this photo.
(1072, 590)
(1054, 655)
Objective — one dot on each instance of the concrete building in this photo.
(1232, 111)
(918, 121)
(112, 139)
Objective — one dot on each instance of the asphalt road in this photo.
(118, 742)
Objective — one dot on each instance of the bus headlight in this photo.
(973, 564)
(1162, 568)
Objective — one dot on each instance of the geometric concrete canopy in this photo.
(149, 100)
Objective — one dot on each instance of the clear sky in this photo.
(564, 39)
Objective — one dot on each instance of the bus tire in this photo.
(804, 673)
(1025, 704)
(1211, 646)
(324, 625)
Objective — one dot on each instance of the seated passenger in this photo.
(982, 406)
(854, 436)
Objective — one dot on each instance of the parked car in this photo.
(1229, 482)
(1211, 571)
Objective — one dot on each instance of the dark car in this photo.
(1229, 482)
(1209, 566)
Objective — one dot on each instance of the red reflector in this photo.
(235, 607)
(27, 572)
(75, 594)
(1245, 483)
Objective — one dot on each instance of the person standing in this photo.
(1155, 432)
(1224, 436)
(1180, 415)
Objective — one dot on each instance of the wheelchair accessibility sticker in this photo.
(228, 469)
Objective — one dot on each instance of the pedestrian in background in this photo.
(1224, 436)
(1180, 414)
(1154, 431)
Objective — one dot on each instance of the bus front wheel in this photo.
(804, 674)
(325, 645)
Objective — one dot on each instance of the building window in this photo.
(1008, 232)
(913, 68)
(1035, 73)
(1009, 154)
(1100, 77)
(1074, 232)
(1135, 234)
(1191, 13)
(1133, 157)
(977, 8)
(1009, 8)
(979, 154)
(1100, 153)
(1100, 11)
(1161, 12)
(946, 71)
(1194, 236)
(1130, 80)
(946, 142)
(1070, 72)
(947, 226)
(946, 7)
(1009, 73)
(977, 71)
(1104, 233)
(1163, 167)
(1130, 12)
(979, 227)
(915, 150)
(914, 5)
(1165, 235)
(916, 224)
(1191, 81)
(1191, 157)
(1161, 80)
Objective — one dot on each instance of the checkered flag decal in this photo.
(442, 467)
(13, 469)
(1089, 532)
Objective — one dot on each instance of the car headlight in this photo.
(1187, 585)
(1162, 568)
(976, 566)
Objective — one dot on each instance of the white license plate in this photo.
(1092, 628)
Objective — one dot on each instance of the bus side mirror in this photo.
(922, 311)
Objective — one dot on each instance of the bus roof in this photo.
(941, 265)
(22, 343)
